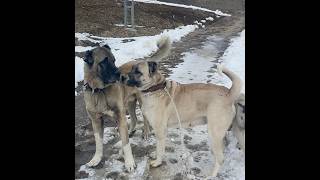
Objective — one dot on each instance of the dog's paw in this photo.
(155, 163)
(129, 164)
(128, 158)
(94, 161)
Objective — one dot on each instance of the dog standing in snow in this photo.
(105, 96)
(192, 101)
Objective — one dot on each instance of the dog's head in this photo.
(99, 67)
(240, 111)
(143, 75)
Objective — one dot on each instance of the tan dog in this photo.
(104, 96)
(133, 96)
(193, 101)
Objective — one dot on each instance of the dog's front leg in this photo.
(161, 134)
(97, 125)
(128, 157)
(146, 126)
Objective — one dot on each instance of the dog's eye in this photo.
(103, 62)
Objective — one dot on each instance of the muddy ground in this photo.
(101, 17)
(98, 17)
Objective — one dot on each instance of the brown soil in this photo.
(99, 17)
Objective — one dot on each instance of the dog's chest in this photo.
(98, 104)
(151, 106)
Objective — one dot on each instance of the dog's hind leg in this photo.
(217, 150)
(133, 116)
(97, 125)
(219, 121)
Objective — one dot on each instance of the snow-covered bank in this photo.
(234, 57)
(199, 66)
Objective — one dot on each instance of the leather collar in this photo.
(155, 87)
(88, 88)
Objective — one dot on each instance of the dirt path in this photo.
(226, 28)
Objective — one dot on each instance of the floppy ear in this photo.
(153, 66)
(107, 46)
(88, 57)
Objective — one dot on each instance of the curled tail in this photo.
(235, 89)
(164, 47)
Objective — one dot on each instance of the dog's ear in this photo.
(107, 46)
(88, 58)
(153, 66)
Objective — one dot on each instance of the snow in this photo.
(109, 134)
(127, 51)
(234, 57)
(218, 12)
(205, 61)
(209, 19)
(82, 49)
(122, 25)
(197, 65)
(78, 70)
(197, 146)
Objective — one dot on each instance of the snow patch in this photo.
(220, 13)
(197, 65)
(78, 70)
(234, 58)
(205, 62)
(209, 18)
(109, 134)
(82, 48)
(122, 25)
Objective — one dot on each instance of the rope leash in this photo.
(184, 155)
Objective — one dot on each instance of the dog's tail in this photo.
(235, 89)
(164, 47)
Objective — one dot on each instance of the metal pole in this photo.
(125, 12)
(132, 14)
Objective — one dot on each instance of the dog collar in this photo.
(88, 88)
(155, 88)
